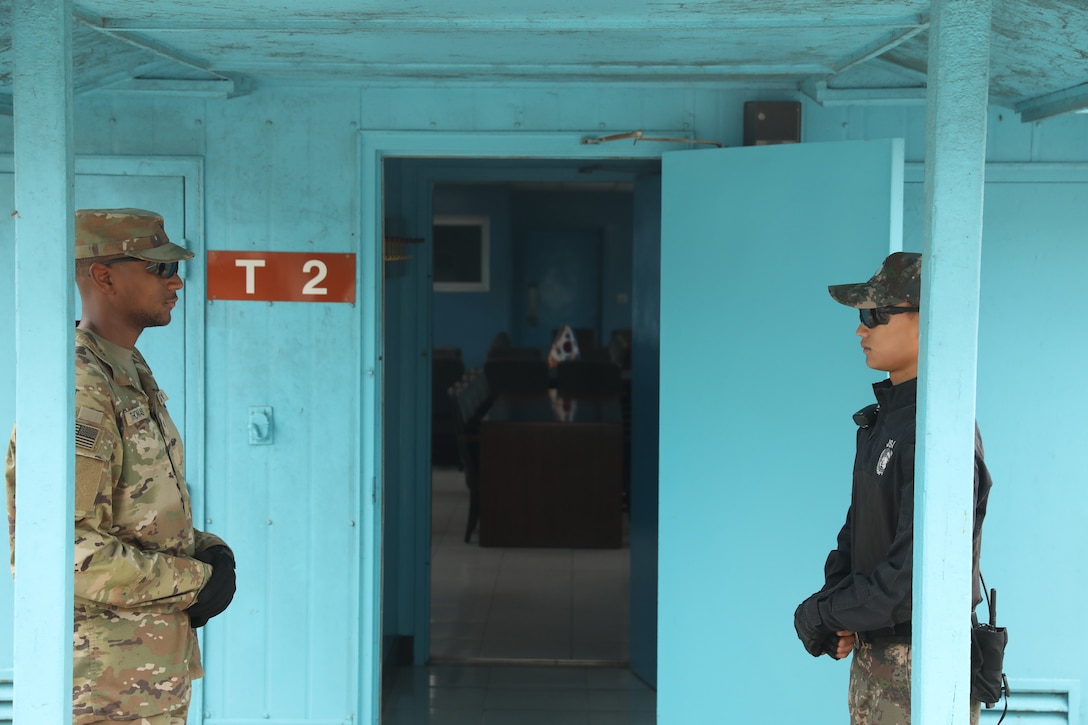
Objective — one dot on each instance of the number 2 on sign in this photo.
(311, 287)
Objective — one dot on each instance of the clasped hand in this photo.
(816, 638)
(219, 590)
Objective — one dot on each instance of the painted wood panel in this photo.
(760, 374)
(7, 408)
(285, 181)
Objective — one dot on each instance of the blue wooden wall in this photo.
(470, 320)
(281, 173)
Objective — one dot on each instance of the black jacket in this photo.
(867, 577)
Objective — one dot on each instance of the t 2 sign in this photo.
(281, 276)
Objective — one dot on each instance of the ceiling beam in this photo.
(542, 23)
(1068, 100)
(913, 74)
(819, 92)
(216, 88)
(554, 71)
(880, 48)
(159, 49)
(816, 87)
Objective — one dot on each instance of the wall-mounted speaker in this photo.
(771, 122)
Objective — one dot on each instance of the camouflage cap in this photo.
(133, 232)
(899, 279)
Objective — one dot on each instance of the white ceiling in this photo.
(832, 49)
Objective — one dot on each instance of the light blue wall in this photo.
(279, 182)
(281, 173)
(1030, 403)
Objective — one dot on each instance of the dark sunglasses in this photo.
(881, 315)
(166, 270)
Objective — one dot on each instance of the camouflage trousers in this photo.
(880, 686)
(168, 718)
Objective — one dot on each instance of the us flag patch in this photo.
(86, 435)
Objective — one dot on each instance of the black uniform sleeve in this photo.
(837, 566)
(864, 602)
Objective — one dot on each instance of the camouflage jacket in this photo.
(135, 654)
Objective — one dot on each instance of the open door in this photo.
(760, 374)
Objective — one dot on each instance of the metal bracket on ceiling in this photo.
(638, 136)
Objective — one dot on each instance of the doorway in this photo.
(560, 253)
(399, 175)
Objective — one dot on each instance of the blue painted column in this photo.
(44, 359)
(959, 57)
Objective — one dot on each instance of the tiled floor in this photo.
(521, 636)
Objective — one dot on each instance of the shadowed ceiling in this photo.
(837, 51)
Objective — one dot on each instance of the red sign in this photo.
(281, 276)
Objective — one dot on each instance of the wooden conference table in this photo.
(551, 472)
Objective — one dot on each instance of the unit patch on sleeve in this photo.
(86, 435)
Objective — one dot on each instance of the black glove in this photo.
(219, 590)
(810, 629)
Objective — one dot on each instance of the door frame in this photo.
(374, 147)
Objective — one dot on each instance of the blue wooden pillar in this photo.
(959, 58)
(44, 359)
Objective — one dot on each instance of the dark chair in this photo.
(586, 337)
(588, 377)
(514, 353)
(517, 377)
(446, 369)
(619, 348)
(595, 354)
(470, 398)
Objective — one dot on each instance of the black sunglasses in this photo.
(166, 270)
(880, 315)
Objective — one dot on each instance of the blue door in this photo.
(760, 374)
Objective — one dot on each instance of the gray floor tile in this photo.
(519, 604)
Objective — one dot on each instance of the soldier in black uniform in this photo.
(865, 603)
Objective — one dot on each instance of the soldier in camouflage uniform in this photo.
(145, 579)
(865, 604)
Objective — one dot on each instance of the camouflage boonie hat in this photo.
(133, 232)
(899, 279)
